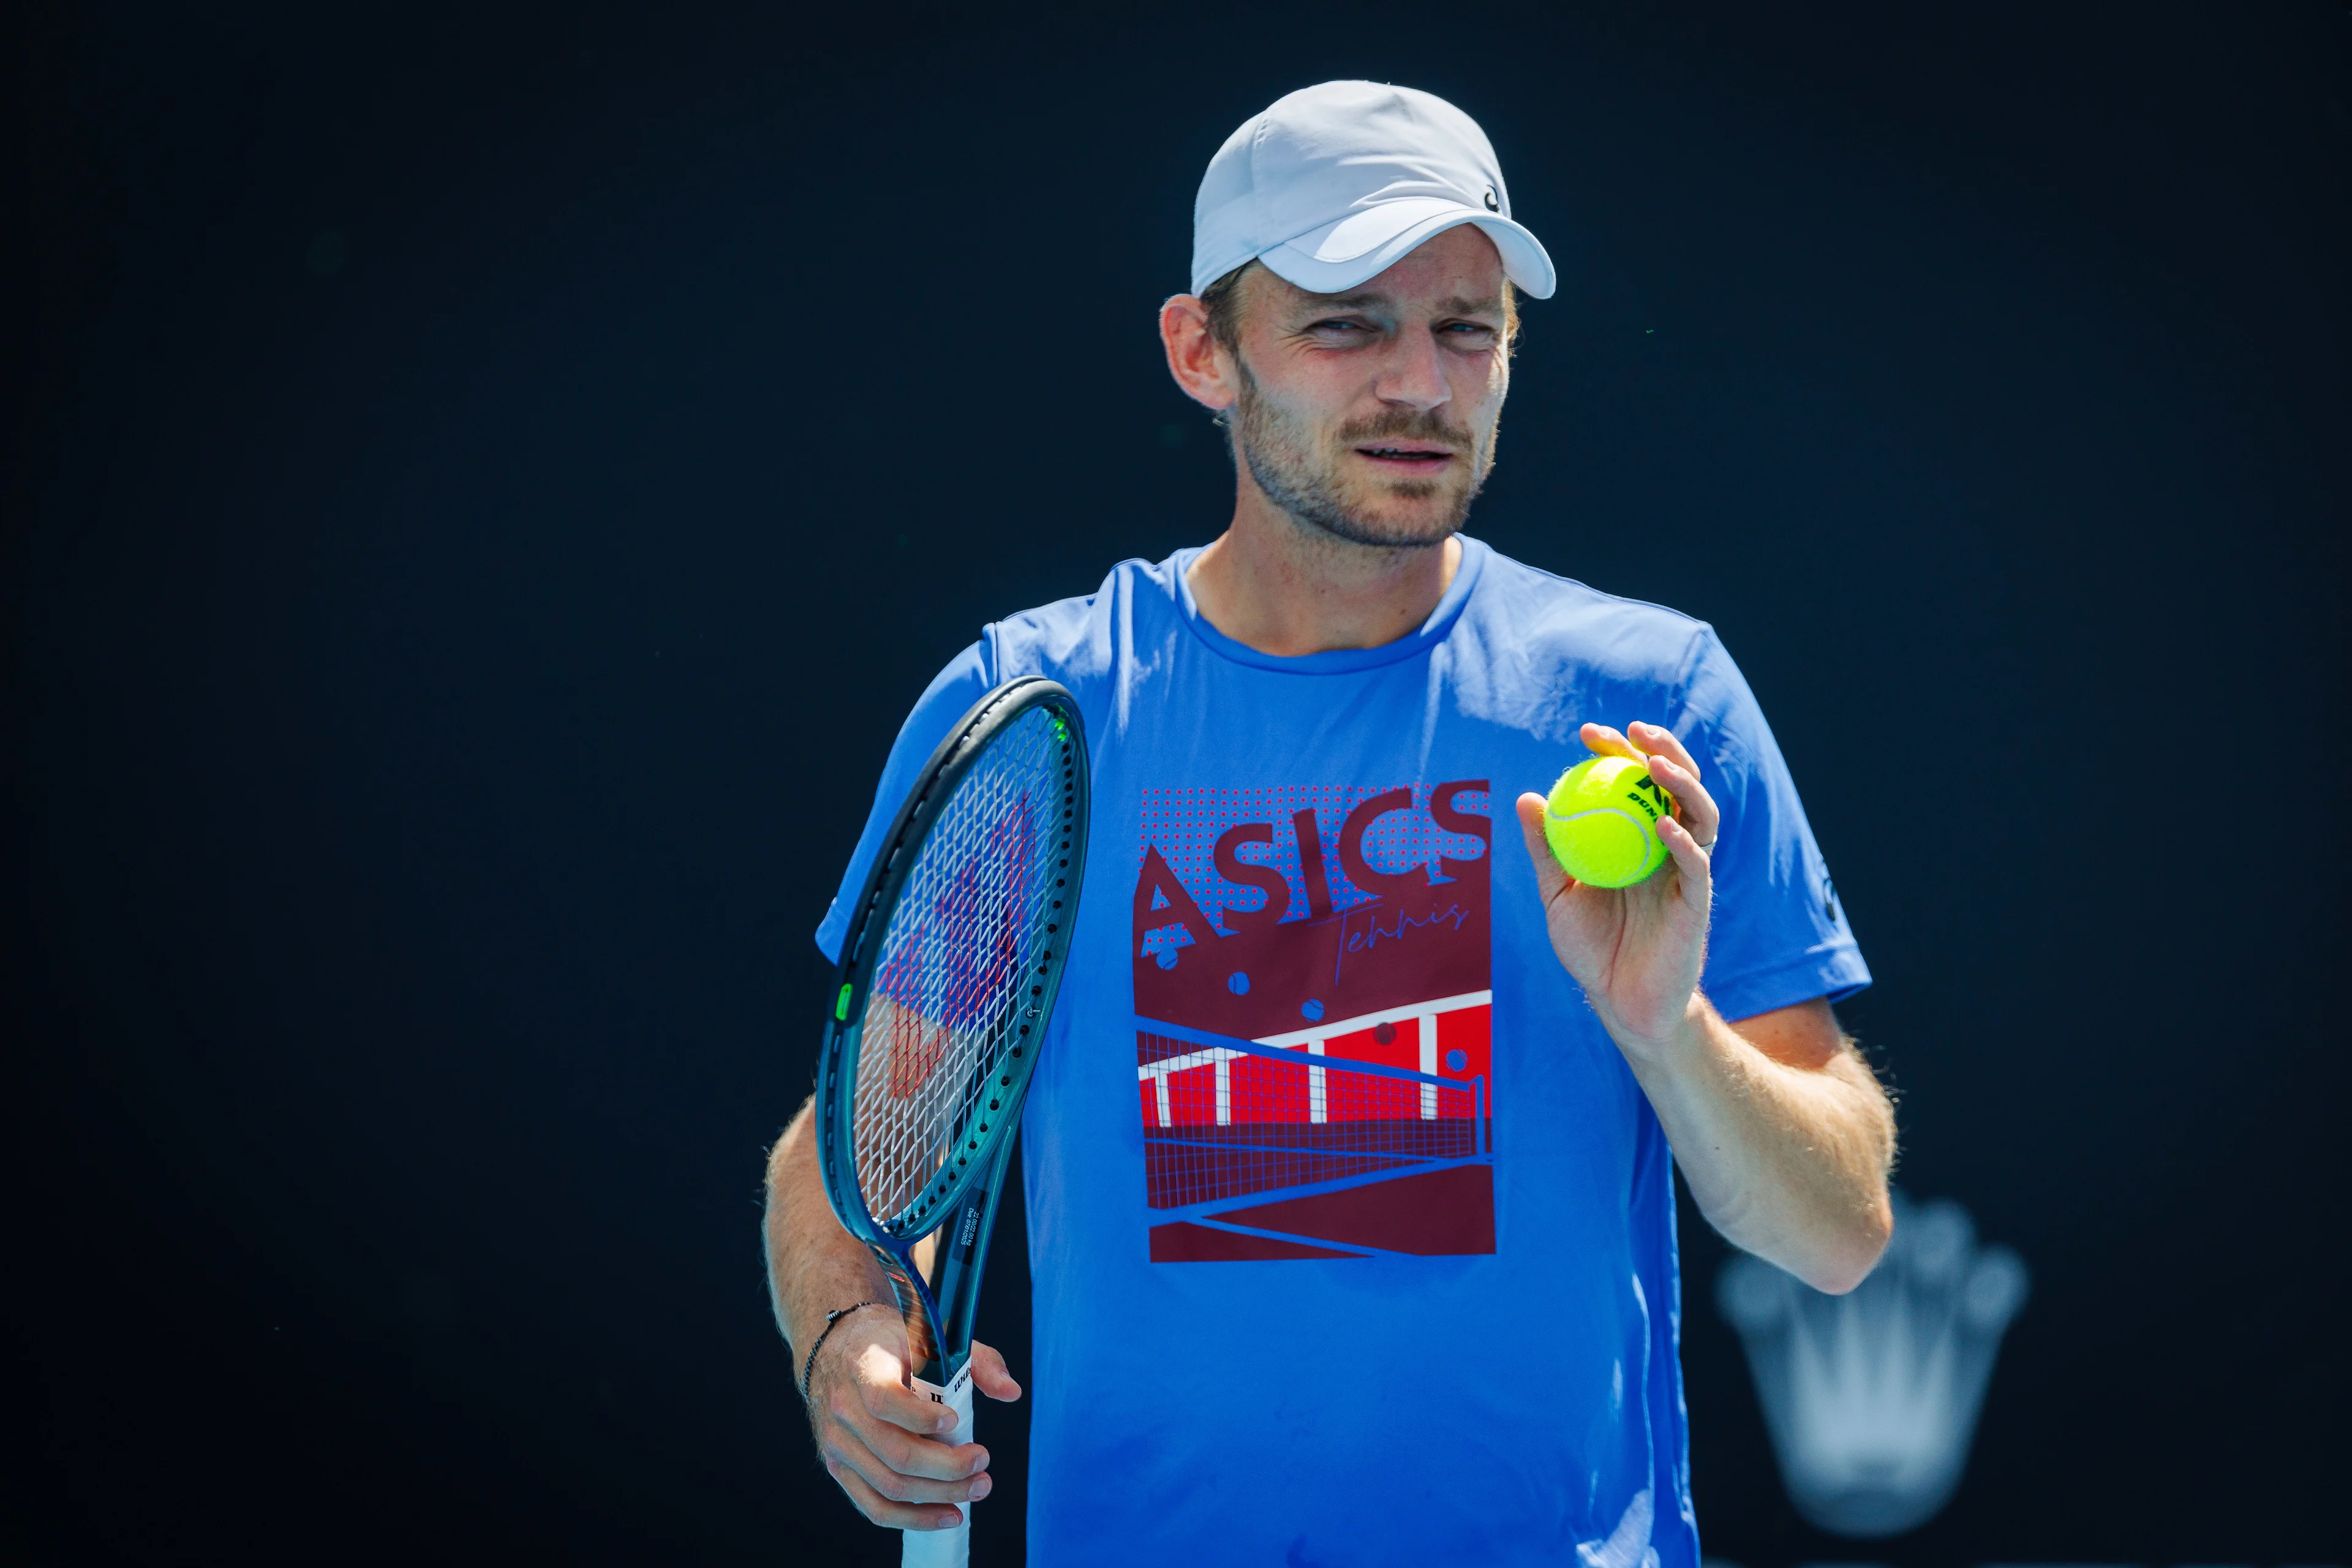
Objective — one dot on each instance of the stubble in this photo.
(1301, 476)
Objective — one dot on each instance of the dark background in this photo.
(483, 486)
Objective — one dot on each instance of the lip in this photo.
(1406, 458)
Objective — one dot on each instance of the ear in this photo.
(1198, 361)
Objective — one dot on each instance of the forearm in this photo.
(814, 1265)
(1789, 1161)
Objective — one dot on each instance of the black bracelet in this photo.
(808, 1368)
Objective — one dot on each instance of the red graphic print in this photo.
(1312, 998)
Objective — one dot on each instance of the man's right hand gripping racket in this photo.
(948, 972)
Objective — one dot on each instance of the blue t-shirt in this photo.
(1352, 1235)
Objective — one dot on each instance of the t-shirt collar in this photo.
(1337, 661)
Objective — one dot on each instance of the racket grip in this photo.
(944, 1548)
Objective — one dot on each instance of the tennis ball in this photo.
(1601, 822)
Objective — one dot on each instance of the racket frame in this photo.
(963, 1200)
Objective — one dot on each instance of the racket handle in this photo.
(944, 1548)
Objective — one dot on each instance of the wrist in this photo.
(1682, 1035)
(833, 1320)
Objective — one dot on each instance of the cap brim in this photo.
(1340, 256)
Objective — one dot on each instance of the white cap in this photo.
(1333, 184)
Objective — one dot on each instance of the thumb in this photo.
(989, 1374)
(1549, 878)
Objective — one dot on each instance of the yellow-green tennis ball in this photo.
(1601, 822)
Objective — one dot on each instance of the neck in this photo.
(1287, 588)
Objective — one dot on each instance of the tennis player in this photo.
(1348, 1158)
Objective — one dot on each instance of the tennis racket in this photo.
(948, 972)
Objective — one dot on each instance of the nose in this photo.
(1414, 374)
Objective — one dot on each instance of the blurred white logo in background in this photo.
(1872, 1397)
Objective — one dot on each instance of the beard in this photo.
(1303, 475)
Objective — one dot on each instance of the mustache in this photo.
(1427, 425)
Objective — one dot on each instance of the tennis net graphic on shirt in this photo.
(1312, 1063)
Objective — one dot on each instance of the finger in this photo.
(1603, 742)
(882, 1389)
(990, 1375)
(925, 1460)
(1697, 874)
(1653, 739)
(1550, 879)
(908, 1470)
(1692, 803)
(907, 1453)
(889, 1513)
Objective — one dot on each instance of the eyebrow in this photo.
(1457, 306)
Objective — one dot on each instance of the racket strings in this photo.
(957, 959)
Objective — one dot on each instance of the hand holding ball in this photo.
(1601, 822)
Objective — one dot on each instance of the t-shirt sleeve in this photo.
(1779, 935)
(966, 679)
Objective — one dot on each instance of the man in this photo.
(1425, 1311)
